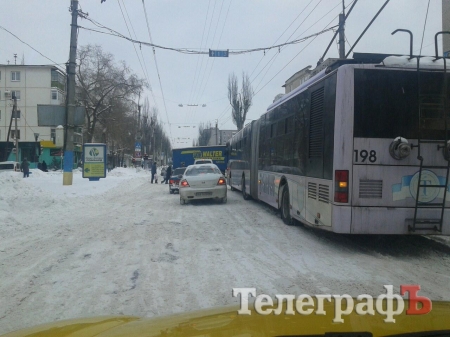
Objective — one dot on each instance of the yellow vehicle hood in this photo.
(225, 321)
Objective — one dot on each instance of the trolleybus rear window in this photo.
(387, 104)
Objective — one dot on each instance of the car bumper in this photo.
(192, 193)
(174, 187)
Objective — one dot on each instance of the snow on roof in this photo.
(426, 62)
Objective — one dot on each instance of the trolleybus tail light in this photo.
(341, 186)
(184, 183)
(221, 182)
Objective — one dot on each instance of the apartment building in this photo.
(32, 85)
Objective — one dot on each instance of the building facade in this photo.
(32, 85)
(220, 137)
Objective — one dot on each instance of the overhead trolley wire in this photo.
(201, 45)
(424, 26)
(191, 50)
(317, 21)
(37, 51)
(145, 71)
(157, 68)
(218, 43)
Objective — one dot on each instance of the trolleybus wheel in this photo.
(285, 209)
(244, 193)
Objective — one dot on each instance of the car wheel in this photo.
(171, 191)
(244, 193)
(182, 201)
(224, 200)
(285, 207)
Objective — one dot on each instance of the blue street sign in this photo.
(218, 53)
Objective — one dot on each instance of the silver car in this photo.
(203, 181)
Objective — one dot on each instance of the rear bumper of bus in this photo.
(384, 220)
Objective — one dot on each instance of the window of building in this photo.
(15, 76)
(54, 94)
(16, 115)
(15, 93)
(13, 134)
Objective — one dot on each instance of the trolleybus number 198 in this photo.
(363, 155)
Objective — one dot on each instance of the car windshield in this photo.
(160, 157)
(179, 171)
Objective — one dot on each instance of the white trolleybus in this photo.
(360, 148)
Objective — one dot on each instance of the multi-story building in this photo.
(32, 85)
(220, 137)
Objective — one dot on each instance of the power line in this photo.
(302, 33)
(291, 60)
(201, 45)
(37, 51)
(207, 62)
(157, 68)
(218, 43)
(281, 36)
(139, 59)
(135, 35)
(424, 26)
(187, 50)
(275, 56)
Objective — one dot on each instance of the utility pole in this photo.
(16, 139)
(217, 133)
(70, 114)
(153, 141)
(342, 32)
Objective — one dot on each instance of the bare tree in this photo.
(204, 134)
(153, 131)
(240, 101)
(102, 84)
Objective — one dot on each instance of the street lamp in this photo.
(36, 136)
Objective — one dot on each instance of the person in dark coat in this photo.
(153, 171)
(168, 173)
(25, 168)
(44, 166)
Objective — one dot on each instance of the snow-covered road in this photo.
(125, 246)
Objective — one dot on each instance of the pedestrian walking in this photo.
(168, 173)
(44, 166)
(25, 168)
(153, 171)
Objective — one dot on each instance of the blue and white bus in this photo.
(360, 148)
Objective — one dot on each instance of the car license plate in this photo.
(201, 194)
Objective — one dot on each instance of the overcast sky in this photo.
(212, 24)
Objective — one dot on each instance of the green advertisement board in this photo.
(94, 161)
